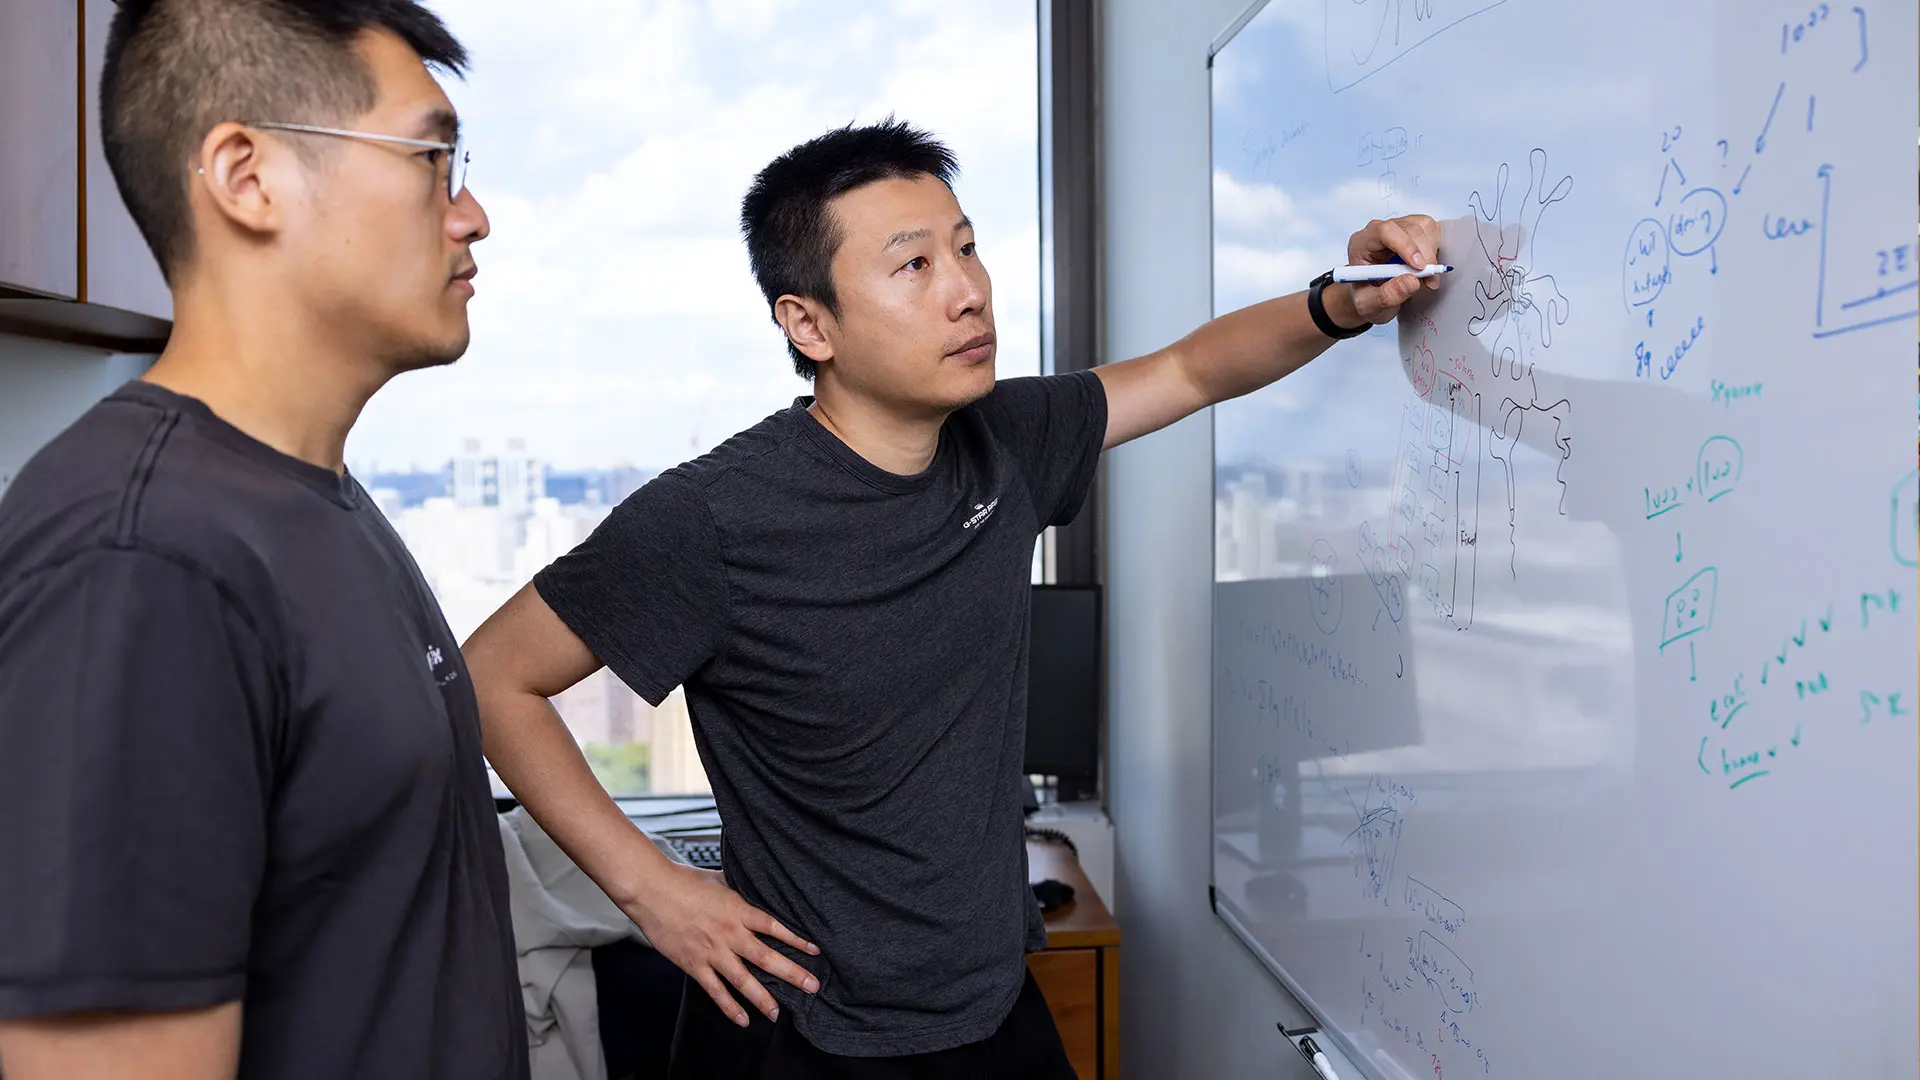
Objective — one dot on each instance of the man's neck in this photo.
(902, 445)
(274, 379)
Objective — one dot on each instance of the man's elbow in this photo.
(1192, 385)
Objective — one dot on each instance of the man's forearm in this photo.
(1235, 354)
(1244, 350)
(534, 753)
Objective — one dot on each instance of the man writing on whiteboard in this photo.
(842, 589)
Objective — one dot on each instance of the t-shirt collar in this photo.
(846, 457)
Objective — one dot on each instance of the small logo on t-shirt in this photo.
(981, 512)
(434, 659)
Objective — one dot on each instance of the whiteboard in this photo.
(1565, 633)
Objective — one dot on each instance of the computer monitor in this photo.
(1063, 688)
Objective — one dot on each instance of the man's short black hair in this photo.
(791, 232)
(176, 68)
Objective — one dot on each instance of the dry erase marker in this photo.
(1386, 271)
(1320, 1063)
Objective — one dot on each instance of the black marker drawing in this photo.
(1506, 435)
(1520, 305)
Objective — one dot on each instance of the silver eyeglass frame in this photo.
(457, 155)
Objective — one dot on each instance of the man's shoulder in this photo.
(135, 476)
(84, 488)
(743, 462)
(1017, 408)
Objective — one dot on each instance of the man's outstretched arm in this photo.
(1242, 351)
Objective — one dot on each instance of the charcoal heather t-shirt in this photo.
(241, 759)
(854, 648)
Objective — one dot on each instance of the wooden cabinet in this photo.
(40, 147)
(120, 271)
(72, 265)
(1070, 979)
(1079, 973)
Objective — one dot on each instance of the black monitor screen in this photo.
(1063, 682)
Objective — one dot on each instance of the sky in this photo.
(616, 319)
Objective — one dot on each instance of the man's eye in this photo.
(966, 249)
(433, 157)
(917, 263)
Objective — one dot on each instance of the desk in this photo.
(1080, 970)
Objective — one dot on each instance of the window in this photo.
(617, 330)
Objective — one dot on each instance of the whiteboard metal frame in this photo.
(1328, 1029)
(1213, 50)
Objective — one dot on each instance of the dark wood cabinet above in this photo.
(40, 148)
(73, 266)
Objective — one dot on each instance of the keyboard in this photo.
(704, 853)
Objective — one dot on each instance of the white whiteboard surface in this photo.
(1565, 633)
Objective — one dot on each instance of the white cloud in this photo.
(749, 18)
(617, 317)
(1261, 273)
(1257, 209)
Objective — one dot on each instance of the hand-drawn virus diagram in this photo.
(1519, 307)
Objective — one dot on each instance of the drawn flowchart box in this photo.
(1690, 607)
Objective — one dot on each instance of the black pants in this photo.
(708, 1045)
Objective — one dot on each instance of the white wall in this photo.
(44, 387)
(1194, 1003)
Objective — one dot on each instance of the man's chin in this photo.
(437, 354)
(977, 383)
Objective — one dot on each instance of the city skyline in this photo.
(416, 482)
(482, 538)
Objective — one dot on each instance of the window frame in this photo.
(1070, 338)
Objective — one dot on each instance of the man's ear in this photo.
(243, 179)
(808, 324)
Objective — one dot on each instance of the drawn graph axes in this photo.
(1868, 314)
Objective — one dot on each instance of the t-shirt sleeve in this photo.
(1054, 425)
(647, 591)
(136, 707)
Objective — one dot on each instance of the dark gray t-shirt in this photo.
(240, 759)
(854, 648)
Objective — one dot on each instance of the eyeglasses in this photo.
(455, 152)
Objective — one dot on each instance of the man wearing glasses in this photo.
(248, 827)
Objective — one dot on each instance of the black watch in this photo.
(1318, 309)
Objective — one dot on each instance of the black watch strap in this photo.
(1317, 308)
